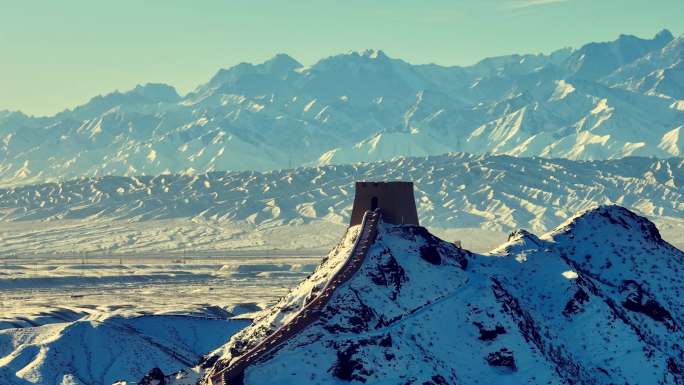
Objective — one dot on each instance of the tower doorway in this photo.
(374, 203)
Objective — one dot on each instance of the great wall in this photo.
(394, 202)
(311, 312)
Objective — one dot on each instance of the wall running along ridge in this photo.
(311, 312)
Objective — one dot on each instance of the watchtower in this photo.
(394, 199)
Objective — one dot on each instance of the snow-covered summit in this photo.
(141, 99)
(581, 304)
(368, 53)
(595, 60)
(609, 217)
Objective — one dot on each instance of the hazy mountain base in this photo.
(38, 291)
(192, 238)
(164, 237)
(307, 208)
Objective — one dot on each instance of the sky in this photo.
(58, 54)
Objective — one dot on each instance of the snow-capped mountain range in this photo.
(493, 192)
(603, 100)
(595, 301)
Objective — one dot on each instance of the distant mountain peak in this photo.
(140, 96)
(595, 60)
(372, 53)
(664, 35)
(282, 62)
(16, 116)
(278, 65)
(6, 113)
(156, 92)
(368, 53)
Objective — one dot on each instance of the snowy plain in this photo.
(92, 320)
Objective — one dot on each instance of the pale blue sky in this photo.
(57, 54)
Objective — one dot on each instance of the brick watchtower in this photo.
(394, 199)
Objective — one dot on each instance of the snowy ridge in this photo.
(600, 101)
(452, 191)
(102, 351)
(526, 313)
(289, 306)
(307, 315)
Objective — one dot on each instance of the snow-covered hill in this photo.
(603, 100)
(595, 301)
(100, 352)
